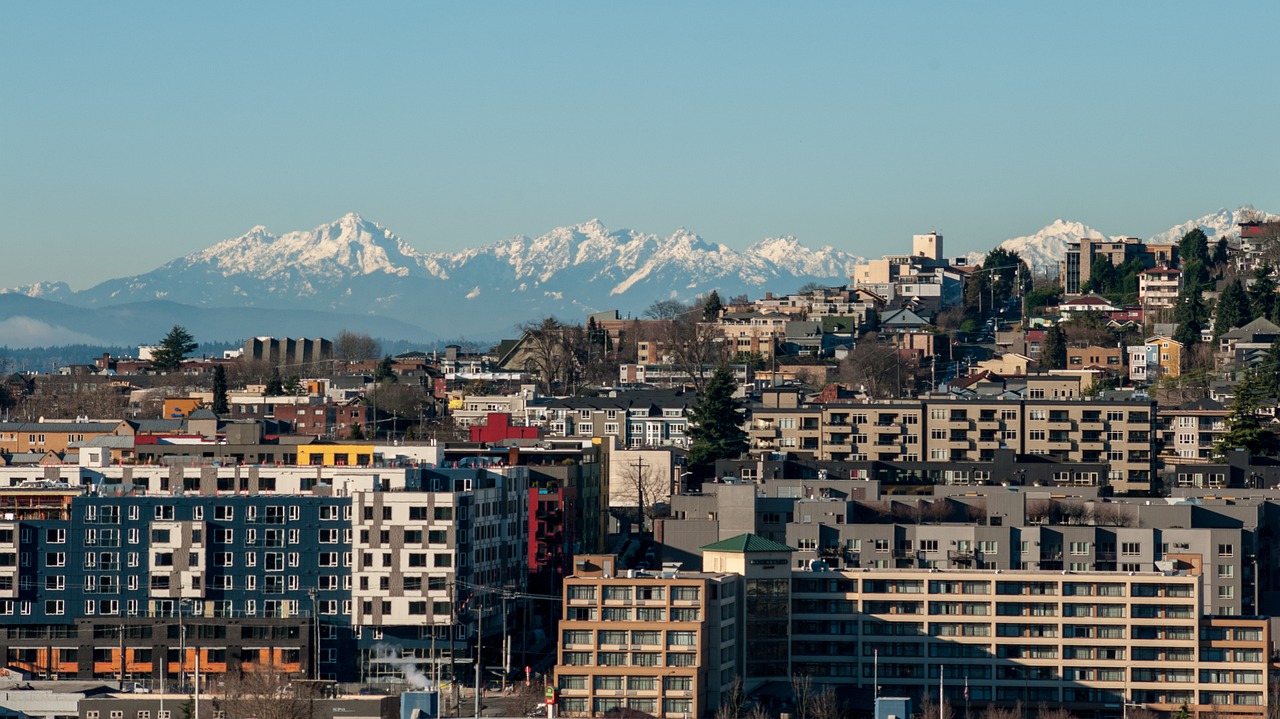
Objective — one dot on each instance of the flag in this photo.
(966, 687)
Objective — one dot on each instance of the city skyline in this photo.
(145, 134)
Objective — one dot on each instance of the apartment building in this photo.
(1193, 431)
(1086, 641)
(1077, 264)
(665, 644)
(635, 418)
(1159, 287)
(849, 524)
(1050, 419)
(55, 435)
(334, 575)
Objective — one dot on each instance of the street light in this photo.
(182, 644)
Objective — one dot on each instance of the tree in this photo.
(666, 310)
(732, 700)
(384, 372)
(353, 346)
(929, 707)
(293, 386)
(220, 406)
(715, 425)
(1190, 314)
(641, 484)
(275, 387)
(1103, 276)
(1194, 275)
(1262, 292)
(265, 693)
(1053, 350)
(1244, 425)
(1233, 310)
(712, 306)
(875, 368)
(1220, 255)
(1194, 246)
(172, 350)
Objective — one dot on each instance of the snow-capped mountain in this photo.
(1223, 223)
(353, 265)
(1045, 248)
(40, 290)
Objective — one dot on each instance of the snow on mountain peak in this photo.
(1222, 223)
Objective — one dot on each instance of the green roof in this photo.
(747, 543)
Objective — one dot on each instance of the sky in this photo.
(134, 133)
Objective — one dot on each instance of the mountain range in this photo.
(358, 275)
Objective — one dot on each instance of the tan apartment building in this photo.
(1088, 641)
(55, 435)
(1052, 420)
(1108, 358)
(1085, 640)
(660, 643)
(1159, 286)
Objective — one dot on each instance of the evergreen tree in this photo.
(1244, 427)
(1103, 277)
(220, 391)
(1194, 246)
(384, 372)
(1262, 293)
(1191, 316)
(1194, 275)
(712, 306)
(1220, 257)
(1233, 309)
(357, 432)
(715, 425)
(1053, 350)
(275, 387)
(173, 349)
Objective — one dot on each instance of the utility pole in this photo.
(479, 647)
(315, 635)
(639, 465)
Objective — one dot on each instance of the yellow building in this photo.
(335, 455)
(1166, 354)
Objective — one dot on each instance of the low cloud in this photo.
(24, 331)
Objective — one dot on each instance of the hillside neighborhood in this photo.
(984, 483)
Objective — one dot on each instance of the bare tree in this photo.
(666, 310)
(998, 712)
(803, 690)
(264, 694)
(875, 367)
(1055, 713)
(929, 707)
(759, 712)
(732, 701)
(545, 351)
(826, 705)
(642, 483)
(355, 346)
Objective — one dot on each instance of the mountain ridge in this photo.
(355, 268)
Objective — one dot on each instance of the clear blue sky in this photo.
(132, 133)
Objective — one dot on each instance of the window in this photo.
(1226, 550)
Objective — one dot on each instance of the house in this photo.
(1087, 303)
(1009, 363)
(1159, 286)
(1165, 357)
(1109, 359)
(901, 320)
